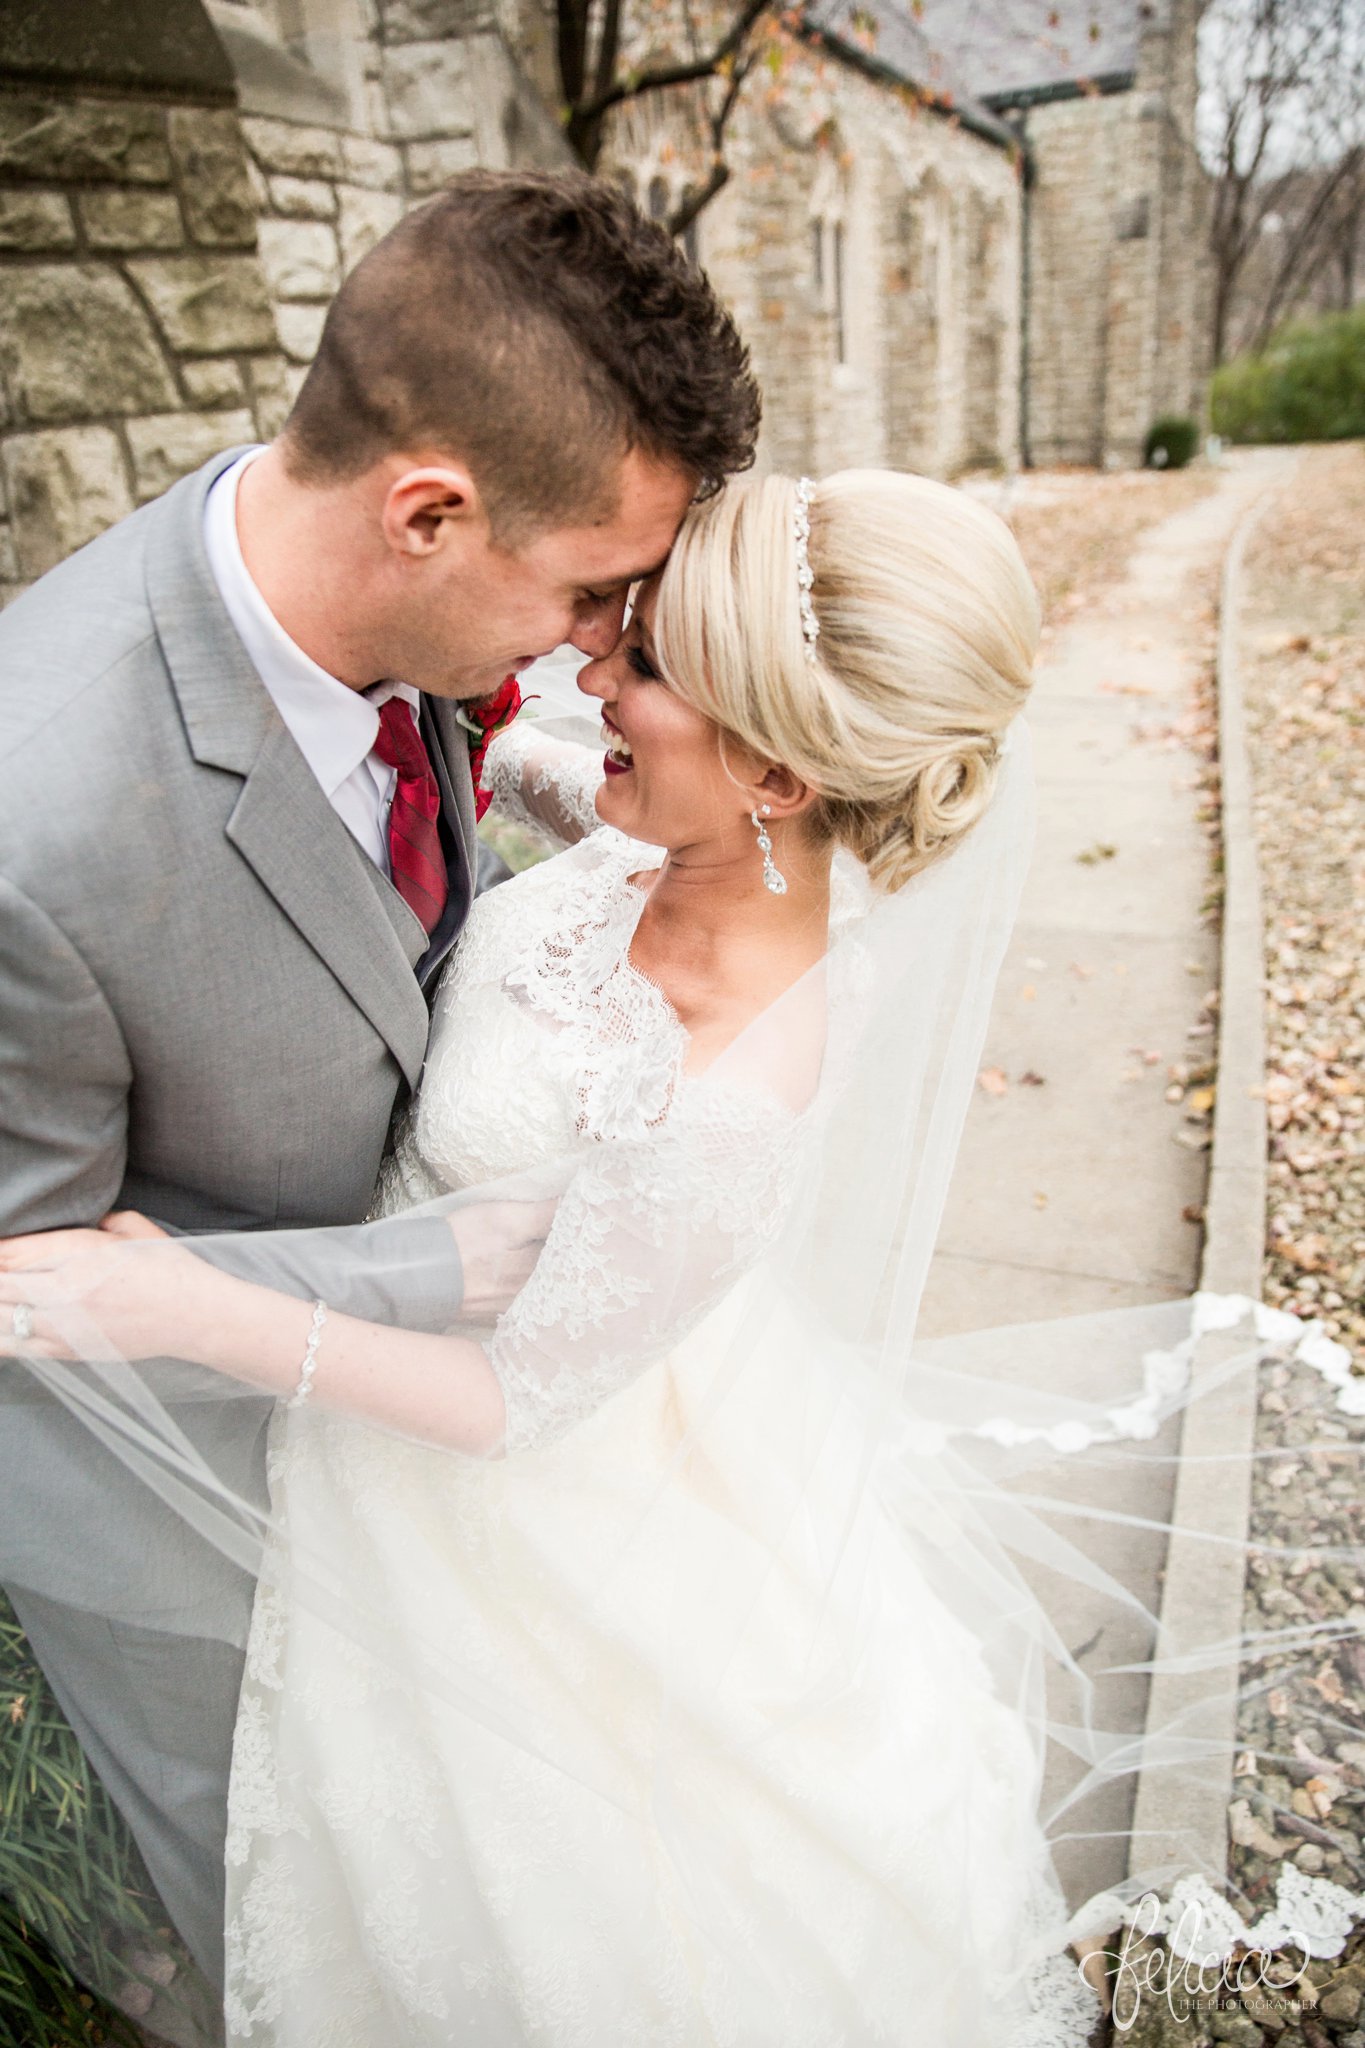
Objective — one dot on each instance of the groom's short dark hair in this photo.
(539, 327)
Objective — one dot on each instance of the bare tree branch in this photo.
(690, 72)
(571, 37)
(1311, 248)
(608, 48)
(694, 203)
(1284, 126)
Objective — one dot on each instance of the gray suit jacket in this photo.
(210, 999)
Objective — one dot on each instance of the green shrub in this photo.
(1170, 443)
(1307, 385)
(67, 1866)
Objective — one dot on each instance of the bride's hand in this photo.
(142, 1300)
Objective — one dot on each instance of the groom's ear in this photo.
(422, 507)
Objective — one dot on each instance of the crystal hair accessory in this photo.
(810, 625)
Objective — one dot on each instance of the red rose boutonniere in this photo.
(483, 721)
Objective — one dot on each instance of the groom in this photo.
(237, 841)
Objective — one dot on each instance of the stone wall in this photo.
(324, 198)
(1116, 305)
(431, 87)
(169, 248)
(136, 329)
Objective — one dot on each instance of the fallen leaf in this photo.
(1039, 1199)
(1093, 855)
(1027, 992)
(1028, 1079)
(1250, 1833)
(1081, 973)
(1324, 1793)
(1200, 1101)
(992, 1081)
(1329, 1684)
(1192, 1213)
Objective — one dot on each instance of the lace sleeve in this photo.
(548, 784)
(650, 1234)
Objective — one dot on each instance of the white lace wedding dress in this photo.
(407, 1869)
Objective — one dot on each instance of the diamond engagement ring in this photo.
(21, 1322)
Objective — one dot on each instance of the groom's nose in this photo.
(597, 625)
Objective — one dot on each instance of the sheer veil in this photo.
(766, 1247)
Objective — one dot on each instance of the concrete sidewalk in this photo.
(1070, 1189)
(1069, 1196)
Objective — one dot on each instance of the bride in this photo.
(634, 1668)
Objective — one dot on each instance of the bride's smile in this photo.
(671, 780)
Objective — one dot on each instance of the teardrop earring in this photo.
(772, 879)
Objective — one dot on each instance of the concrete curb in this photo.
(1178, 1819)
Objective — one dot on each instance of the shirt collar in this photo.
(333, 726)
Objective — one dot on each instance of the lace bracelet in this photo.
(310, 1357)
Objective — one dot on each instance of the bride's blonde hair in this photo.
(928, 630)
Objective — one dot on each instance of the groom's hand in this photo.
(128, 1223)
(498, 1243)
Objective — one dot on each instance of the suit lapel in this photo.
(441, 731)
(292, 839)
(282, 824)
(450, 755)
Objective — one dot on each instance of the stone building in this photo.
(1101, 94)
(183, 184)
(868, 244)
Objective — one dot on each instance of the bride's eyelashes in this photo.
(637, 659)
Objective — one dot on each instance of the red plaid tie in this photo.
(419, 869)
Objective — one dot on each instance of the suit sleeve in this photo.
(403, 1270)
(64, 1078)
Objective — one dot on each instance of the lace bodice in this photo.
(548, 1047)
(543, 1036)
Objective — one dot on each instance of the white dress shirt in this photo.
(333, 726)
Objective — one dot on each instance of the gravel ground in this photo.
(1305, 684)
(1300, 1792)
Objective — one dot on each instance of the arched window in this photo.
(690, 239)
(829, 255)
(657, 202)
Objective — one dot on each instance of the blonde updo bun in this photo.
(928, 632)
